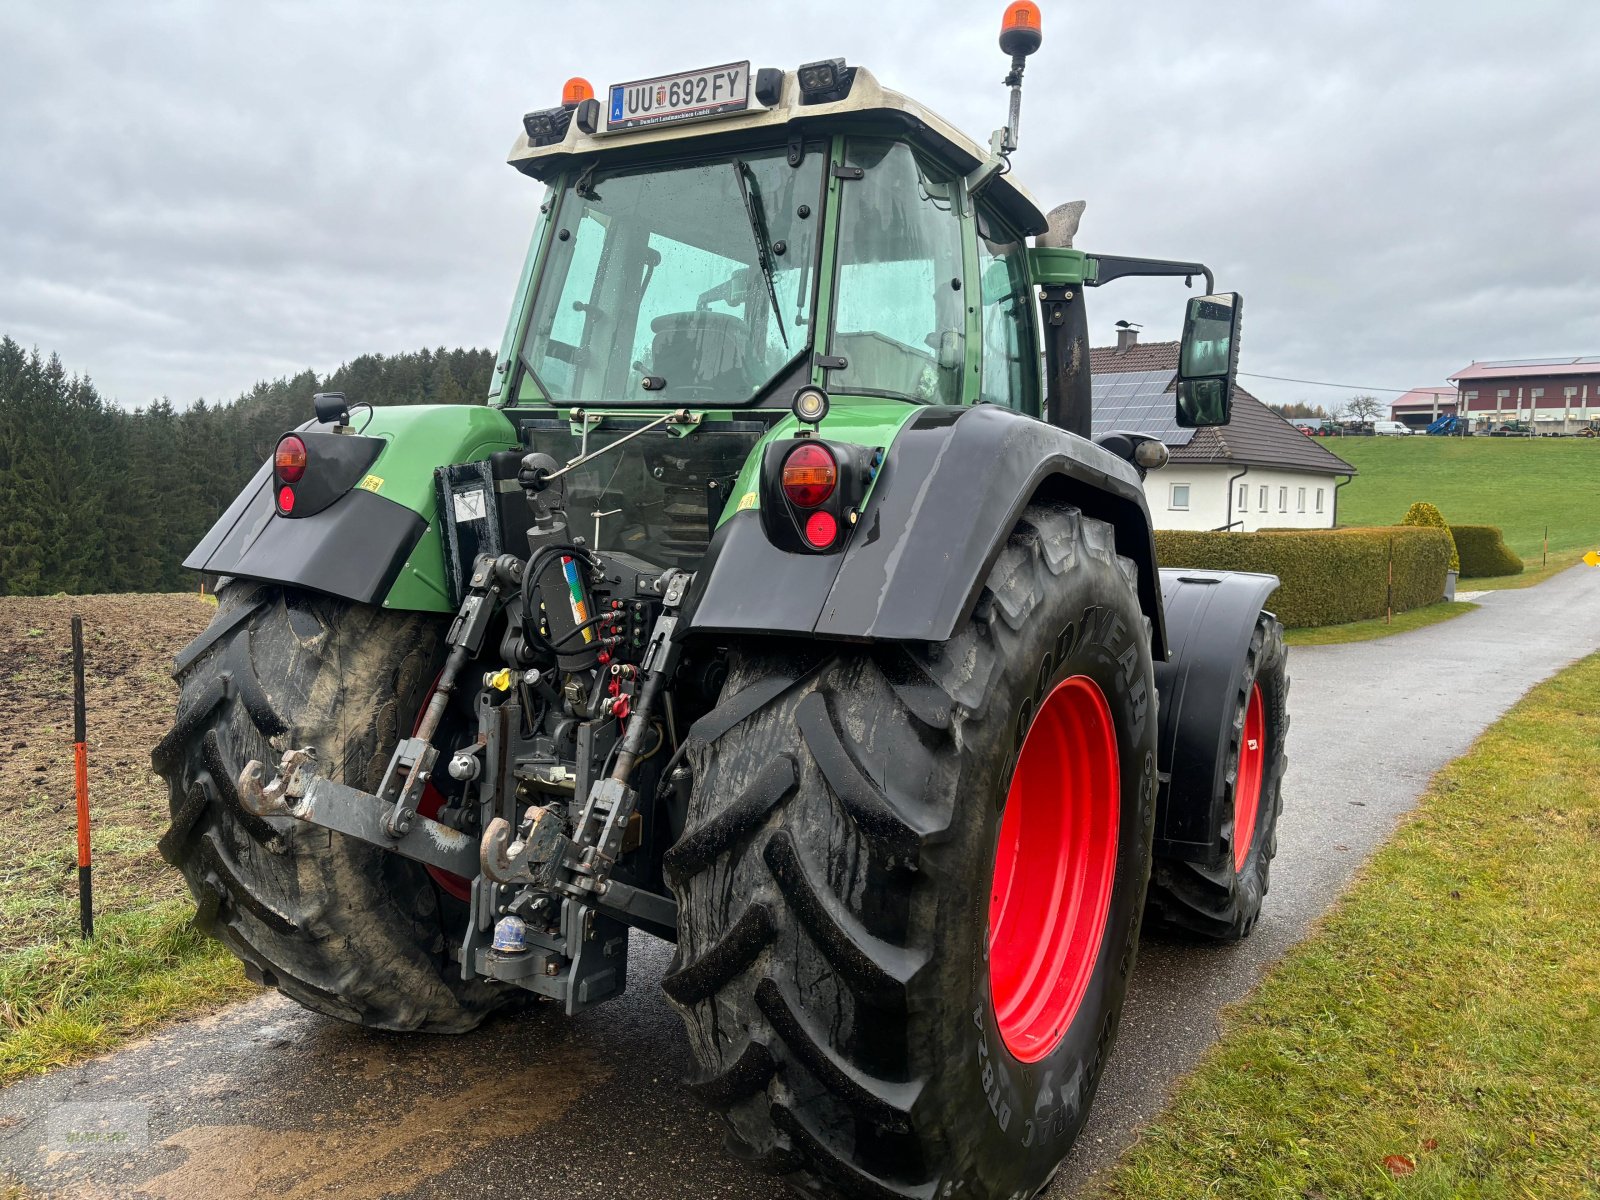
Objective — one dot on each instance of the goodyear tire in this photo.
(853, 838)
(342, 927)
(1221, 902)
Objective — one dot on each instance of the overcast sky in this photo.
(197, 196)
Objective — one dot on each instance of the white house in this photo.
(1258, 472)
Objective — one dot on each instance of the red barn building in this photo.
(1558, 395)
(1421, 407)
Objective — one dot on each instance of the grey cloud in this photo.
(196, 196)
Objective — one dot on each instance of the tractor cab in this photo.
(806, 226)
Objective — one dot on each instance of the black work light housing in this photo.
(547, 126)
(825, 81)
(331, 408)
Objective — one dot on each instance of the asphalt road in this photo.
(264, 1099)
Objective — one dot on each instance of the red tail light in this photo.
(286, 499)
(289, 461)
(809, 477)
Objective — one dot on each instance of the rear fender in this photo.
(953, 485)
(377, 540)
(1211, 616)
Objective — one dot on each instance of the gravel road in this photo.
(264, 1099)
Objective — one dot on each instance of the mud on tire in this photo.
(834, 881)
(1222, 902)
(342, 927)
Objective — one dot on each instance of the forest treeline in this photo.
(98, 498)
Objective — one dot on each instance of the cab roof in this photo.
(868, 104)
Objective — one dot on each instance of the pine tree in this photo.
(98, 498)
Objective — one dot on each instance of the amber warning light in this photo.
(575, 91)
(1021, 30)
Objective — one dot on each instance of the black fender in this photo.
(353, 547)
(1210, 618)
(953, 484)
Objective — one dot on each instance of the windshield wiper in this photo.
(750, 193)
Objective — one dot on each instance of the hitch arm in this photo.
(300, 793)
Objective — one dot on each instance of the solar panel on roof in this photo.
(1567, 361)
(1139, 402)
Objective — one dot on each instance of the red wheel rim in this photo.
(1247, 780)
(1054, 868)
(428, 805)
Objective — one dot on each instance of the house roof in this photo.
(1257, 436)
(1512, 368)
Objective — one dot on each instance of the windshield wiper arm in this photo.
(750, 193)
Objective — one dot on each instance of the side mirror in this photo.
(1208, 358)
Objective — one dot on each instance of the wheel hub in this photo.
(1055, 867)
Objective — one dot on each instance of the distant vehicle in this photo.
(1310, 426)
(1450, 425)
(1512, 429)
(1391, 429)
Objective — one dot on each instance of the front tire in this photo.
(1221, 901)
(341, 926)
(838, 880)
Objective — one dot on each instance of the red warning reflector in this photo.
(286, 499)
(821, 529)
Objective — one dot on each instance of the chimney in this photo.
(1127, 336)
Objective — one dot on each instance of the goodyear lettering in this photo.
(1097, 625)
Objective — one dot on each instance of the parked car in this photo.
(1391, 428)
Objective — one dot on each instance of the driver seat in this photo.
(700, 349)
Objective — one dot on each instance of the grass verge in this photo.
(1560, 560)
(1439, 1033)
(1366, 631)
(65, 999)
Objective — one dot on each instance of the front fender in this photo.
(376, 543)
(953, 485)
(1211, 616)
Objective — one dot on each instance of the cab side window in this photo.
(1011, 368)
(900, 312)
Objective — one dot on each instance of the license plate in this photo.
(688, 96)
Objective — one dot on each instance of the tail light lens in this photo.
(286, 499)
(289, 461)
(809, 476)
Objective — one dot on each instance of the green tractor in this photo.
(779, 604)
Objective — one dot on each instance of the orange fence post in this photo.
(80, 773)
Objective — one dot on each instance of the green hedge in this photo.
(1329, 576)
(1429, 517)
(1484, 552)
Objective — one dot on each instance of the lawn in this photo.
(1519, 484)
(1438, 1035)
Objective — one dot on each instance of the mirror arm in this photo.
(1114, 266)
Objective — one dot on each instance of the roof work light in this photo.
(824, 81)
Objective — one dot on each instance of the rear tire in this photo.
(834, 887)
(1223, 902)
(344, 928)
